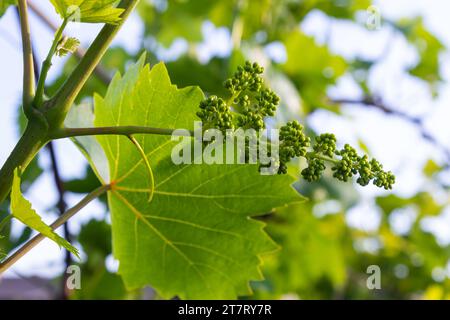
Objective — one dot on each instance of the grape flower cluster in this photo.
(250, 102)
(347, 164)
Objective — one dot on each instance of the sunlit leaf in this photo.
(194, 239)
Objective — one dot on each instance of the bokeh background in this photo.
(380, 86)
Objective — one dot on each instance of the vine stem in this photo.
(28, 64)
(120, 130)
(47, 64)
(59, 222)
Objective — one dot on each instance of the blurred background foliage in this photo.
(321, 255)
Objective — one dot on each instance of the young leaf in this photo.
(195, 239)
(90, 11)
(66, 46)
(21, 210)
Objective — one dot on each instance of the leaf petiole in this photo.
(118, 130)
(47, 64)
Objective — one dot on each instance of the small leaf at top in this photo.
(21, 210)
(90, 11)
(66, 46)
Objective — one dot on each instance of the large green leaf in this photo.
(195, 238)
(91, 11)
(21, 210)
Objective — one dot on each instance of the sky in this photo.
(394, 142)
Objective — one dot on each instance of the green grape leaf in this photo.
(90, 11)
(21, 210)
(195, 238)
(4, 5)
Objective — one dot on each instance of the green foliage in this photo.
(21, 210)
(97, 282)
(95, 238)
(424, 202)
(431, 168)
(317, 68)
(207, 213)
(90, 11)
(273, 18)
(429, 48)
(312, 261)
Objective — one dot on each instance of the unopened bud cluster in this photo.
(251, 102)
